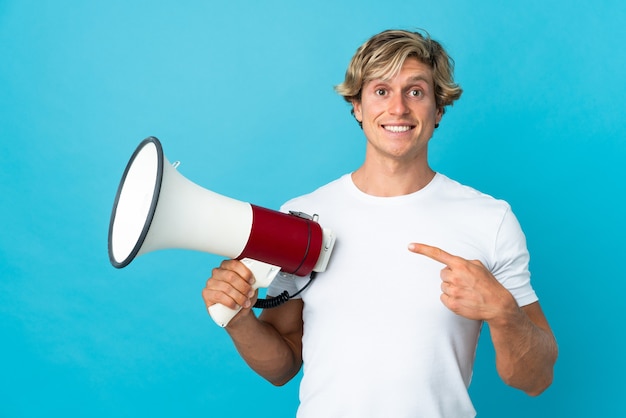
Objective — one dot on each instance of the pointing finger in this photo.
(435, 253)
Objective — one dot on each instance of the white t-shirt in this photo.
(377, 340)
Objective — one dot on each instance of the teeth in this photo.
(403, 128)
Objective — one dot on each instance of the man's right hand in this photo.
(231, 285)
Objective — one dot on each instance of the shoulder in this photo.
(467, 208)
(454, 192)
(323, 195)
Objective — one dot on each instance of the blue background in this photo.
(241, 93)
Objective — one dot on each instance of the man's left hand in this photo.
(468, 288)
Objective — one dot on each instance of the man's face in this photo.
(399, 114)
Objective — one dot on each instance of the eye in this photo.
(380, 92)
(416, 93)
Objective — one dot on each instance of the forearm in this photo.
(264, 349)
(525, 351)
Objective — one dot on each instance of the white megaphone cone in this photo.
(157, 208)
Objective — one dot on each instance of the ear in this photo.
(356, 110)
(438, 115)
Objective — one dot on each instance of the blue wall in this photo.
(241, 93)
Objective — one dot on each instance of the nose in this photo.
(397, 105)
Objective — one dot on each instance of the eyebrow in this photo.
(417, 78)
(413, 79)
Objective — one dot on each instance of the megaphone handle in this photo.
(263, 273)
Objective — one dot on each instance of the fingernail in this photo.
(251, 293)
(247, 304)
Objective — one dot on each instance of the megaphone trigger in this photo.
(263, 273)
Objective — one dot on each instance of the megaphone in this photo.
(158, 208)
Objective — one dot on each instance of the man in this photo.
(386, 330)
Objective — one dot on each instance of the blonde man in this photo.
(420, 264)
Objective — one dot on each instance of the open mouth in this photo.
(398, 128)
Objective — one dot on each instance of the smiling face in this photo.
(399, 114)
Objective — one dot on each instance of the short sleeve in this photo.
(511, 266)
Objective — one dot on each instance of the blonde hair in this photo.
(383, 55)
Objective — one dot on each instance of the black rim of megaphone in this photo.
(153, 204)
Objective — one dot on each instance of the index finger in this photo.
(240, 268)
(435, 253)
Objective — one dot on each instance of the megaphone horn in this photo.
(157, 208)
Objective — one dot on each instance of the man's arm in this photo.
(271, 344)
(525, 347)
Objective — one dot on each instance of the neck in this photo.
(392, 180)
